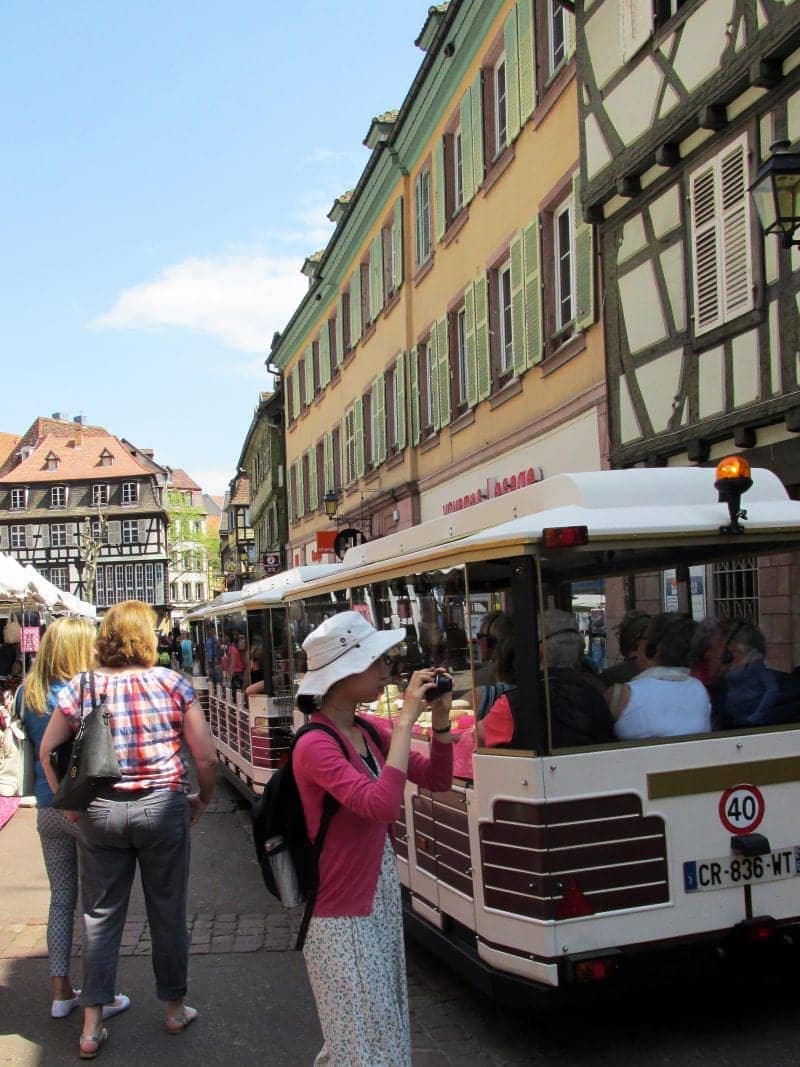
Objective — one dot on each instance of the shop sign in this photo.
(492, 488)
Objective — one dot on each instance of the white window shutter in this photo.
(636, 25)
(439, 200)
(584, 261)
(533, 294)
(44, 536)
(737, 261)
(142, 531)
(4, 538)
(517, 305)
(527, 67)
(512, 74)
(114, 533)
(705, 247)
(413, 388)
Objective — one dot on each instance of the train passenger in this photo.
(631, 637)
(354, 946)
(752, 693)
(708, 655)
(664, 700)
(495, 626)
(579, 714)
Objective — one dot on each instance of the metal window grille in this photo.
(735, 589)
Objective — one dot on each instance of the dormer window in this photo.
(130, 492)
(51, 461)
(99, 495)
(58, 496)
(19, 499)
(106, 458)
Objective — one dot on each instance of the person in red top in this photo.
(354, 947)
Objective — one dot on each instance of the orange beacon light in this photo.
(733, 479)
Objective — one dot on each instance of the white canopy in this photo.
(19, 584)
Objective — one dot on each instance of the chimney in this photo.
(80, 419)
(60, 416)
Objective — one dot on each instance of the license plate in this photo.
(729, 871)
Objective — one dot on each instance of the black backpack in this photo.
(280, 835)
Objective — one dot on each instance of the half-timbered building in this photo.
(680, 102)
(77, 503)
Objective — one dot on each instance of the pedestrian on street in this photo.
(67, 647)
(354, 948)
(143, 817)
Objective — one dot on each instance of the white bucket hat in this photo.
(343, 645)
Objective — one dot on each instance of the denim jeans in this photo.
(153, 828)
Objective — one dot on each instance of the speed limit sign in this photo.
(741, 808)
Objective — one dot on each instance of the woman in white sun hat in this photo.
(354, 945)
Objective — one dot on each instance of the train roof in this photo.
(667, 502)
(263, 592)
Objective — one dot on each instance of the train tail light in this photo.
(565, 536)
(757, 931)
(596, 970)
(573, 904)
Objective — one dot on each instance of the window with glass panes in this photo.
(58, 535)
(17, 499)
(130, 531)
(58, 496)
(129, 493)
(17, 537)
(99, 495)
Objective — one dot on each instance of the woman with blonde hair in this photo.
(67, 647)
(143, 818)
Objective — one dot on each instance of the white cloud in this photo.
(241, 299)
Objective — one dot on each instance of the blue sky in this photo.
(167, 167)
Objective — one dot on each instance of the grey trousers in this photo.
(60, 852)
(112, 836)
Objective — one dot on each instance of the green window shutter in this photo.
(296, 390)
(375, 278)
(355, 307)
(379, 419)
(340, 330)
(309, 374)
(400, 391)
(467, 171)
(358, 409)
(533, 294)
(397, 244)
(443, 370)
(433, 380)
(313, 503)
(290, 505)
(327, 458)
(512, 74)
(518, 305)
(469, 344)
(301, 492)
(324, 355)
(476, 105)
(526, 47)
(440, 213)
(584, 262)
(413, 388)
(484, 370)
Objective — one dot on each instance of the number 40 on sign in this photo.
(741, 808)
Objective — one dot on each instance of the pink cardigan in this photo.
(351, 857)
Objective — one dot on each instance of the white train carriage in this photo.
(549, 864)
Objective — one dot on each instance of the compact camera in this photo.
(442, 684)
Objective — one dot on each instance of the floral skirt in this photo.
(357, 969)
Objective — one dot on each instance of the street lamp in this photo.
(331, 504)
(776, 193)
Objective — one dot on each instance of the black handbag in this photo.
(92, 760)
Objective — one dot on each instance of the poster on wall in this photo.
(697, 585)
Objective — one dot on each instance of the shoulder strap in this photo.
(373, 732)
(19, 702)
(83, 687)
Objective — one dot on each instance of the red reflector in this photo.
(573, 904)
(565, 536)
